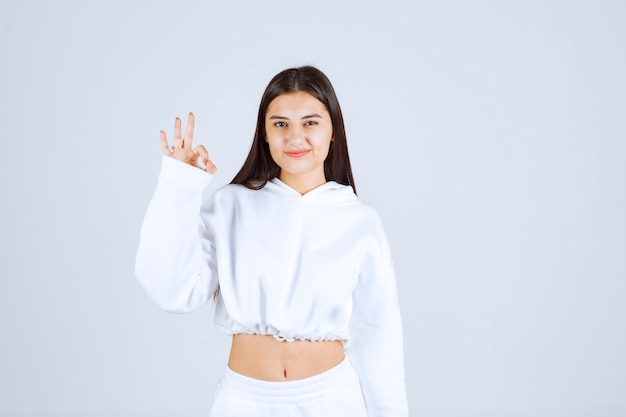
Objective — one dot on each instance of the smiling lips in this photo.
(298, 153)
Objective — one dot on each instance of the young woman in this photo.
(299, 268)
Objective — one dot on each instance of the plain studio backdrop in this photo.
(488, 134)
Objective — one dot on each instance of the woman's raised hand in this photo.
(182, 148)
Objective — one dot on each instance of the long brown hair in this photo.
(259, 166)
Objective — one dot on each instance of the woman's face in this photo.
(299, 131)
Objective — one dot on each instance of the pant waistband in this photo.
(289, 391)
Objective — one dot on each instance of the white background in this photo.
(488, 134)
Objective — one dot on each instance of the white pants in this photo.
(334, 393)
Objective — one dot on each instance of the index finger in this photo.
(188, 139)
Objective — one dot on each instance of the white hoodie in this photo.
(314, 266)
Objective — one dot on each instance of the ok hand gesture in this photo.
(182, 148)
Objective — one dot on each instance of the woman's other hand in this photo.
(183, 150)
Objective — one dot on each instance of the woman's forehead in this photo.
(296, 104)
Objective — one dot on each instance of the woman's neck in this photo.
(302, 183)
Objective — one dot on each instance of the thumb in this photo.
(210, 167)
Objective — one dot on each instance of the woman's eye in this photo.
(310, 123)
(280, 124)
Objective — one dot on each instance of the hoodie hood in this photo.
(330, 192)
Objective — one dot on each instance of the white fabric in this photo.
(334, 393)
(314, 266)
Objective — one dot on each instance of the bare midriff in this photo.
(269, 359)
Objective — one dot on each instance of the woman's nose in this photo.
(296, 134)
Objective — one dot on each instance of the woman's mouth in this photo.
(298, 153)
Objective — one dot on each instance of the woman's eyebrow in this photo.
(308, 116)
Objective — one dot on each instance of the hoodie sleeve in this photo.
(375, 344)
(175, 261)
